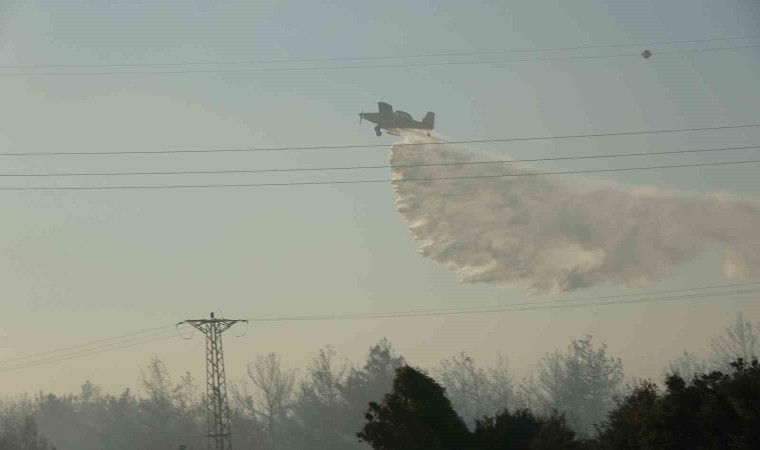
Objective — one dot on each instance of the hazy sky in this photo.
(77, 266)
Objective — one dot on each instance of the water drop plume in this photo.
(561, 234)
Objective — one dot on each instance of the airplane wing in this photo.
(385, 109)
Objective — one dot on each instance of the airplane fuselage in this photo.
(394, 123)
(387, 119)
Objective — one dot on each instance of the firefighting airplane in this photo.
(392, 122)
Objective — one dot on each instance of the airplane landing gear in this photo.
(378, 132)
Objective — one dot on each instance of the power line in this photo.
(386, 166)
(403, 180)
(54, 355)
(86, 344)
(380, 57)
(82, 354)
(411, 144)
(508, 308)
(573, 302)
(371, 66)
(489, 307)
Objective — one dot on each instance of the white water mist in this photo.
(562, 233)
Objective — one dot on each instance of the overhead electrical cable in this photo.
(385, 146)
(34, 363)
(386, 166)
(34, 360)
(506, 308)
(83, 349)
(86, 344)
(370, 66)
(488, 307)
(402, 180)
(379, 57)
(542, 302)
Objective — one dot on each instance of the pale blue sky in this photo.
(78, 266)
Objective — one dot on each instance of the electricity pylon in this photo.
(217, 407)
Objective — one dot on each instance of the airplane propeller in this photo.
(361, 116)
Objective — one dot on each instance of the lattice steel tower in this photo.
(217, 407)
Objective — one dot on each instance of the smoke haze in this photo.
(562, 234)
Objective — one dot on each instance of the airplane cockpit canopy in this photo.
(403, 115)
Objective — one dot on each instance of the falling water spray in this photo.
(561, 234)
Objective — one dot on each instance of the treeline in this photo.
(711, 411)
(573, 390)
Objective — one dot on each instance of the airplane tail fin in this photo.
(429, 119)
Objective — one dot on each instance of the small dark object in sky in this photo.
(646, 54)
(394, 122)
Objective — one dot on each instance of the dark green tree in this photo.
(632, 423)
(505, 431)
(416, 415)
(712, 411)
(523, 430)
(555, 434)
(366, 384)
